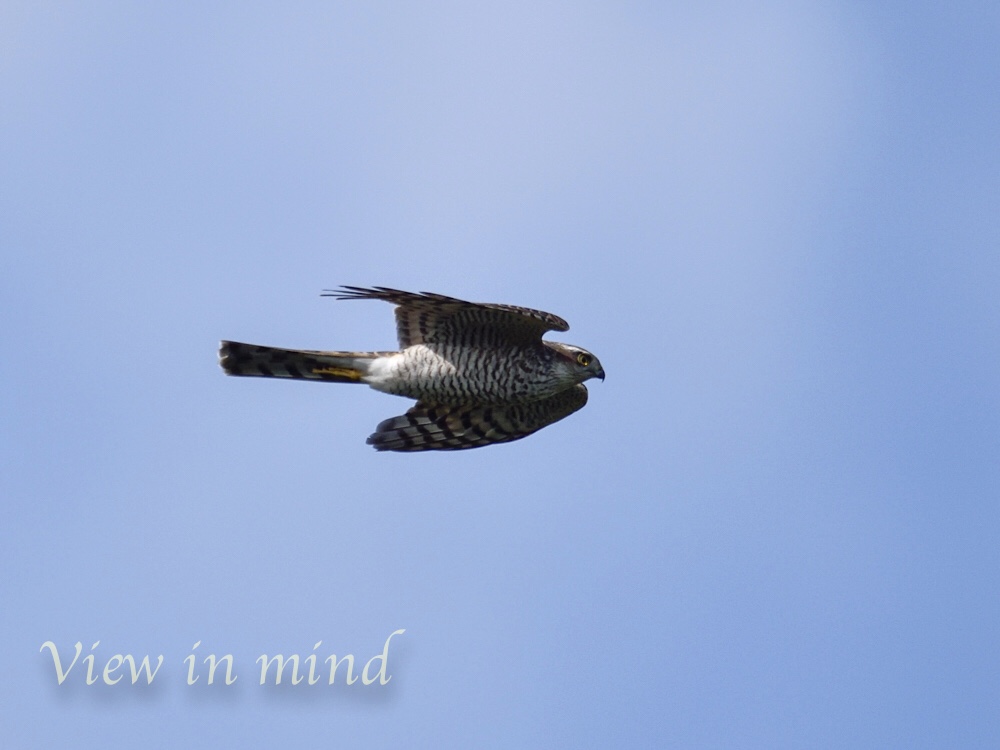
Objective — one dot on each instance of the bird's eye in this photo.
(583, 359)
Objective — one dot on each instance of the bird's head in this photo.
(576, 363)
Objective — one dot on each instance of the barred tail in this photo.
(270, 362)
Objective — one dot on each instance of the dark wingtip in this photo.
(345, 292)
(361, 292)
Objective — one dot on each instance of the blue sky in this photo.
(774, 525)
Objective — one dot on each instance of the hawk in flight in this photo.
(481, 373)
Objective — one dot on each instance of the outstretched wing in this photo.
(425, 318)
(436, 427)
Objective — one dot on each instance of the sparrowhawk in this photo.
(481, 373)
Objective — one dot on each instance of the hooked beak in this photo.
(600, 374)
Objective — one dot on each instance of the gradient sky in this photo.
(774, 525)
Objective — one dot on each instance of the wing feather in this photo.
(438, 427)
(426, 318)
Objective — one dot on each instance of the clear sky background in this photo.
(774, 525)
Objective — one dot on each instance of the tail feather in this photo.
(251, 360)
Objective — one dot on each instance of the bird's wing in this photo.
(438, 427)
(425, 318)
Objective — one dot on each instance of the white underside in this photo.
(384, 371)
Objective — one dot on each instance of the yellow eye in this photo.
(583, 359)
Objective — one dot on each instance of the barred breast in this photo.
(455, 374)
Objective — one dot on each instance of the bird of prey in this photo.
(481, 373)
